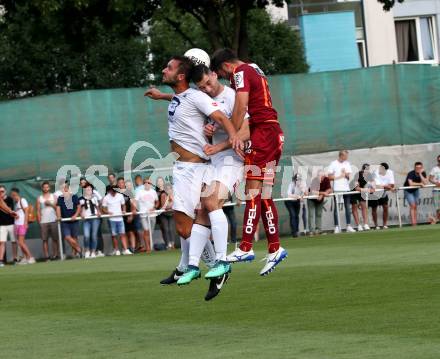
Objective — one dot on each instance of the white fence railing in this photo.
(155, 213)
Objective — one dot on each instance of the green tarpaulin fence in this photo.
(380, 106)
(319, 112)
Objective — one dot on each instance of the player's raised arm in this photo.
(155, 94)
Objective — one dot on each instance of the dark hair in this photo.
(364, 166)
(138, 176)
(221, 56)
(385, 165)
(185, 66)
(198, 72)
(418, 163)
(120, 179)
(45, 183)
(111, 174)
(438, 157)
(109, 188)
(15, 189)
(88, 184)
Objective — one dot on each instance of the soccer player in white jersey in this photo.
(187, 114)
(223, 175)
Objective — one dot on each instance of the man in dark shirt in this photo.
(320, 187)
(68, 207)
(418, 178)
(7, 216)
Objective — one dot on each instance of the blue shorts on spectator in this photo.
(117, 227)
(412, 197)
(70, 229)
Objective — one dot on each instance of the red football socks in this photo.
(251, 217)
(269, 215)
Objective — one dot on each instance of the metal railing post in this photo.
(60, 242)
(399, 213)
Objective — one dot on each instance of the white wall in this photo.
(380, 34)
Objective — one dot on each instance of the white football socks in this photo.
(184, 257)
(219, 228)
(198, 240)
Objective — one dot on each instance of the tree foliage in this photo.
(49, 46)
(388, 4)
(274, 46)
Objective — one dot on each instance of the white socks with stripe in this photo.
(219, 228)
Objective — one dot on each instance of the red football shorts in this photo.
(263, 151)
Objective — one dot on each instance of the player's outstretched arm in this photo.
(240, 108)
(222, 120)
(155, 94)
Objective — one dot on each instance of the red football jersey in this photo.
(250, 78)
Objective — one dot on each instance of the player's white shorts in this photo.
(187, 186)
(227, 170)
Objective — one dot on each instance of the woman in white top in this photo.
(90, 207)
(47, 218)
(21, 225)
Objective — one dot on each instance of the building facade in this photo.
(334, 31)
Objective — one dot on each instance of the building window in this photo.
(416, 39)
(362, 52)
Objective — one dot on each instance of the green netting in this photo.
(319, 112)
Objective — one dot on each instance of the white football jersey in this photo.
(226, 101)
(187, 114)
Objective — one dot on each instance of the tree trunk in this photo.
(212, 21)
(243, 42)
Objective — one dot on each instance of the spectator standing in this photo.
(165, 219)
(130, 206)
(384, 179)
(111, 178)
(360, 199)
(339, 172)
(416, 177)
(321, 187)
(434, 178)
(68, 208)
(114, 204)
(147, 201)
(7, 216)
(21, 225)
(138, 185)
(47, 218)
(90, 207)
(295, 192)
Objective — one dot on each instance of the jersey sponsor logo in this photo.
(270, 223)
(239, 80)
(175, 102)
(252, 214)
(215, 104)
(248, 147)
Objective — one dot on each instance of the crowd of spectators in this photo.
(372, 189)
(125, 205)
(128, 205)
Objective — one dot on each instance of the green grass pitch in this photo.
(349, 296)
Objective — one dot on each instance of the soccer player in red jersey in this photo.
(262, 153)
